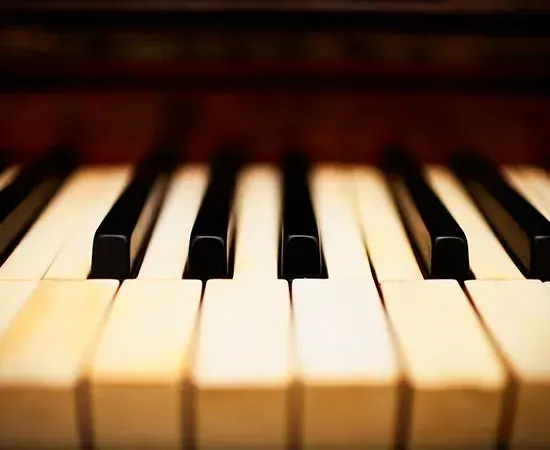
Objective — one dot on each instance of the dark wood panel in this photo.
(330, 125)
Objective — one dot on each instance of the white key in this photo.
(389, 247)
(75, 257)
(517, 316)
(166, 254)
(139, 373)
(36, 251)
(539, 179)
(8, 175)
(455, 376)
(347, 366)
(44, 360)
(242, 369)
(258, 221)
(333, 202)
(529, 182)
(13, 294)
(488, 259)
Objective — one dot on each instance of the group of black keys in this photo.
(438, 241)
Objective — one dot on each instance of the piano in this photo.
(275, 225)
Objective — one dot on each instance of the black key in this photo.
(437, 238)
(24, 198)
(522, 229)
(212, 234)
(301, 254)
(120, 240)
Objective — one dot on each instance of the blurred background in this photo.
(340, 79)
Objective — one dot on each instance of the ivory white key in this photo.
(389, 248)
(488, 259)
(539, 178)
(7, 176)
(517, 316)
(139, 373)
(36, 251)
(13, 295)
(455, 376)
(74, 259)
(346, 365)
(43, 358)
(343, 248)
(258, 223)
(242, 369)
(166, 254)
(528, 181)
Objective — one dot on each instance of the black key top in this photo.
(301, 255)
(24, 198)
(212, 234)
(522, 229)
(120, 239)
(437, 238)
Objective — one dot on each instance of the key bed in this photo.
(374, 353)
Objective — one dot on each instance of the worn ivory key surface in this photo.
(455, 378)
(75, 257)
(166, 254)
(343, 248)
(531, 183)
(517, 316)
(242, 366)
(392, 258)
(346, 366)
(44, 356)
(258, 223)
(139, 372)
(539, 179)
(13, 295)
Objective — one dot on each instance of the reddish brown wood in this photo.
(347, 126)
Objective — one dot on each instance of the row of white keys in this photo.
(35, 252)
(388, 246)
(167, 251)
(488, 259)
(141, 366)
(73, 260)
(242, 365)
(145, 377)
(257, 214)
(337, 220)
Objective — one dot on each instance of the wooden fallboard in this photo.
(347, 125)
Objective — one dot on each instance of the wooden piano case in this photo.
(340, 80)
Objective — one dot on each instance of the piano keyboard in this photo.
(265, 306)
